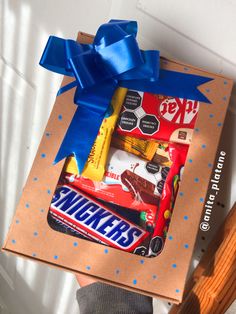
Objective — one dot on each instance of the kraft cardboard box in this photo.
(164, 276)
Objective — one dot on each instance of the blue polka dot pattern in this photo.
(211, 115)
(201, 199)
(49, 191)
(17, 221)
(219, 124)
(106, 251)
(75, 244)
(203, 145)
(190, 160)
(196, 180)
(117, 271)
(60, 117)
(55, 256)
(224, 98)
(177, 290)
(208, 90)
(181, 193)
(43, 155)
(154, 276)
(174, 265)
(141, 261)
(135, 281)
(185, 217)
(170, 237)
(186, 69)
(42, 210)
(35, 233)
(27, 205)
(13, 241)
(209, 165)
(186, 246)
(47, 134)
(88, 267)
(35, 179)
(196, 130)
(34, 254)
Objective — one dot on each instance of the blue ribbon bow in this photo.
(114, 59)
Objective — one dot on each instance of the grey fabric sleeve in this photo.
(100, 298)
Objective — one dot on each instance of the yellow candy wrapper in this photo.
(143, 148)
(96, 163)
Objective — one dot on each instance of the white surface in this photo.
(180, 29)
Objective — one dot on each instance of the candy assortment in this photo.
(125, 196)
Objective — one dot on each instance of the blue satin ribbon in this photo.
(114, 59)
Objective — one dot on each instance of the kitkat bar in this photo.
(146, 116)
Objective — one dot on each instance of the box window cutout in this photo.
(131, 208)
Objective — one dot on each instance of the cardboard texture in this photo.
(163, 276)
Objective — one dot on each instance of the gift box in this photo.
(164, 276)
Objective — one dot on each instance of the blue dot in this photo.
(117, 271)
(181, 193)
(42, 210)
(186, 69)
(35, 179)
(208, 90)
(201, 199)
(17, 221)
(34, 254)
(55, 256)
(209, 165)
(75, 243)
(43, 155)
(27, 205)
(203, 145)
(219, 124)
(106, 251)
(185, 217)
(196, 180)
(48, 134)
(35, 233)
(88, 267)
(135, 281)
(60, 117)
(211, 115)
(174, 265)
(196, 129)
(224, 98)
(13, 241)
(225, 82)
(190, 160)
(49, 191)
(170, 237)
(141, 261)
(177, 290)
(154, 276)
(186, 246)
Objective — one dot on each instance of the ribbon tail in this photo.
(171, 83)
(80, 136)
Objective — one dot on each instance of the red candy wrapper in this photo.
(158, 117)
(178, 155)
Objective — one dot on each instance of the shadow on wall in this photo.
(27, 95)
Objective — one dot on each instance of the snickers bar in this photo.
(95, 220)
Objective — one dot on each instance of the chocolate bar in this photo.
(139, 187)
(94, 220)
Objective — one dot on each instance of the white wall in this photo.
(201, 33)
